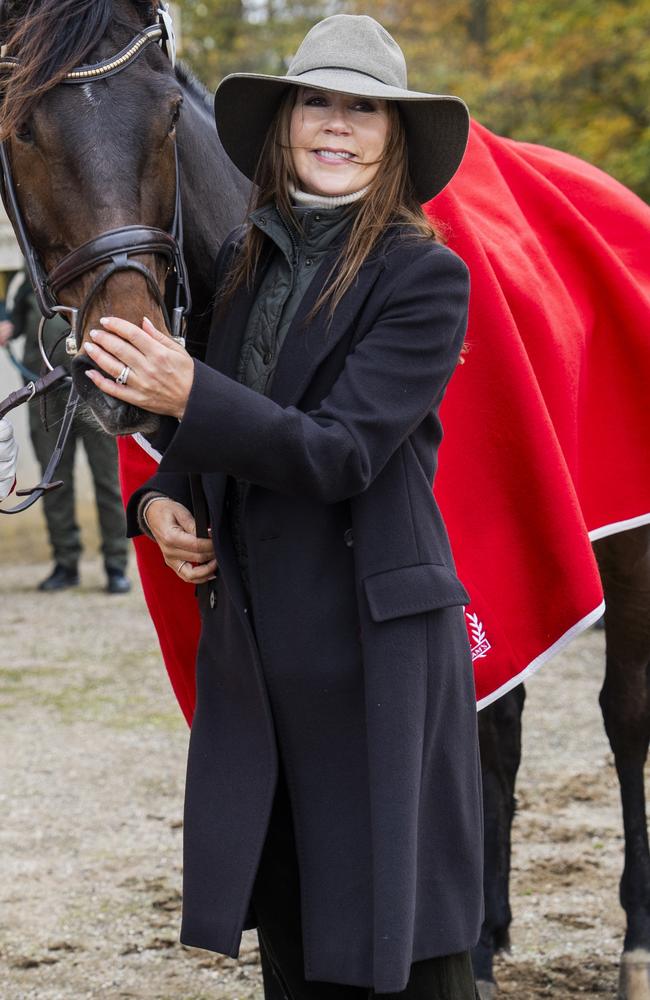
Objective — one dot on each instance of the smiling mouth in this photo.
(334, 156)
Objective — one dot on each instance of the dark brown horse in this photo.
(100, 155)
(94, 157)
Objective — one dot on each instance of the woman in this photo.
(333, 792)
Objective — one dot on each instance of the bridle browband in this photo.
(115, 249)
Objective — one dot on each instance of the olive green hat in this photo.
(351, 54)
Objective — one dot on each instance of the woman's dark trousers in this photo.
(276, 903)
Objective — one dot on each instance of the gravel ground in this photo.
(92, 755)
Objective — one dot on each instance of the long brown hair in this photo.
(389, 202)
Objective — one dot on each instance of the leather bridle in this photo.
(116, 249)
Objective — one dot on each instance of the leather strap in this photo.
(103, 248)
(47, 483)
(33, 389)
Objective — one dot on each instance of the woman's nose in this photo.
(338, 123)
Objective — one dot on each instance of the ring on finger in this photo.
(122, 378)
(180, 565)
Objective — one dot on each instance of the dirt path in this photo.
(92, 755)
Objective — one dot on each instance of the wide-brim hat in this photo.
(351, 54)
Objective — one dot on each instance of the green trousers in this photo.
(59, 506)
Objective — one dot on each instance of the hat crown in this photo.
(352, 42)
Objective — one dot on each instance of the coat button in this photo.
(348, 538)
(308, 262)
(213, 599)
(267, 358)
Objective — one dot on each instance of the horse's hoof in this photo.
(634, 975)
(486, 989)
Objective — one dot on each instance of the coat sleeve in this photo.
(176, 485)
(392, 379)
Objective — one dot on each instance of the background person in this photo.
(101, 450)
(333, 788)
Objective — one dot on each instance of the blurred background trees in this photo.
(572, 74)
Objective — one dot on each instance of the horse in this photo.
(100, 155)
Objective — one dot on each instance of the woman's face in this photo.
(337, 140)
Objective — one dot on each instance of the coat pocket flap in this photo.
(413, 590)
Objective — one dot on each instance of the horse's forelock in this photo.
(52, 37)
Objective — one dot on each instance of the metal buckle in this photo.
(71, 345)
(178, 326)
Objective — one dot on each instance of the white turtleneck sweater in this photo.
(322, 200)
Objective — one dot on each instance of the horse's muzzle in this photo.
(116, 417)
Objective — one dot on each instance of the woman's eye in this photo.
(315, 102)
(364, 106)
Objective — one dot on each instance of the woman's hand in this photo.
(8, 458)
(174, 529)
(160, 372)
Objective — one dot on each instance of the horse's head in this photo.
(93, 157)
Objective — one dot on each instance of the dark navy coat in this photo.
(351, 654)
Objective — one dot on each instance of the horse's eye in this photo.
(24, 132)
(174, 122)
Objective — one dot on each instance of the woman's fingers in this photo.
(161, 374)
(173, 536)
(174, 529)
(196, 574)
(127, 331)
(173, 555)
(113, 364)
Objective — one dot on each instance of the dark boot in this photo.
(60, 578)
(116, 581)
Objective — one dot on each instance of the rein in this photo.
(28, 392)
(115, 249)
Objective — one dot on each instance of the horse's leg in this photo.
(624, 561)
(500, 739)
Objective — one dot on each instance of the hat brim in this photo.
(437, 125)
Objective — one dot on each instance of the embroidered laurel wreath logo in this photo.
(479, 642)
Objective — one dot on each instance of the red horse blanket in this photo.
(546, 423)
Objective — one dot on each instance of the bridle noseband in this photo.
(116, 249)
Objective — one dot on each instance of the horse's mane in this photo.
(51, 37)
(195, 88)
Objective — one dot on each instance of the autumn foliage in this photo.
(573, 75)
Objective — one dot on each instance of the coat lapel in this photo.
(307, 345)
(227, 331)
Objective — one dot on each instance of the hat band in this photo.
(346, 69)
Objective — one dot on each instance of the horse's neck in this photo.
(214, 202)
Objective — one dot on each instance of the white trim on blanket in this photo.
(612, 529)
(544, 657)
(150, 450)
